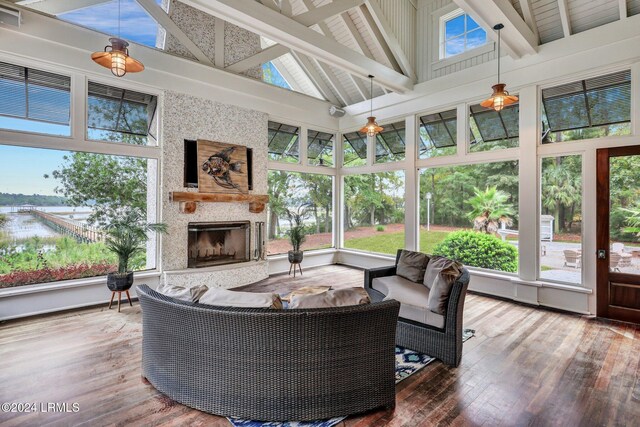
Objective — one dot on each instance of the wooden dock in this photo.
(80, 231)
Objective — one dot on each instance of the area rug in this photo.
(408, 362)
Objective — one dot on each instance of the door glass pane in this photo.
(624, 214)
(561, 219)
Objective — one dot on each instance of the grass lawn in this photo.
(389, 243)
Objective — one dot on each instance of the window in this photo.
(493, 130)
(271, 75)
(561, 219)
(121, 115)
(54, 206)
(592, 108)
(310, 195)
(390, 145)
(135, 24)
(470, 213)
(355, 149)
(438, 133)
(459, 33)
(283, 142)
(34, 101)
(319, 148)
(374, 212)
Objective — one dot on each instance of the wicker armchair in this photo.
(270, 365)
(442, 343)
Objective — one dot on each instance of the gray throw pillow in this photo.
(435, 266)
(230, 298)
(442, 285)
(191, 294)
(412, 265)
(332, 298)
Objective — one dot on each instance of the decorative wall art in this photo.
(223, 168)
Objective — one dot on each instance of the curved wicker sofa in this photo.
(270, 365)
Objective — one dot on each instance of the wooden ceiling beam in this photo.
(164, 20)
(255, 17)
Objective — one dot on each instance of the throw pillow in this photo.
(441, 288)
(192, 294)
(333, 298)
(229, 298)
(435, 266)
(412, 265)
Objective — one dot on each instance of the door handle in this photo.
(602, 254)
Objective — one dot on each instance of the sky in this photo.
(135, 24)
(22, 169)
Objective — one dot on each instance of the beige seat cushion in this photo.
(229, 298)
(413, 298)
(191, 294)
(332, 298)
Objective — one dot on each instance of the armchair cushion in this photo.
(413, 298)
(412, 265)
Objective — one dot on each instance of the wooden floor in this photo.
(526, 366)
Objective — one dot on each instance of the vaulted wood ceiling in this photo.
(326, 49)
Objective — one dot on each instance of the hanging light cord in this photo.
(371, 94)
(498, 55)
(119, 19)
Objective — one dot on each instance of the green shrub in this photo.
(380, 228)
(479, 250)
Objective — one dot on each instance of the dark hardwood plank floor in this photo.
(526, 366)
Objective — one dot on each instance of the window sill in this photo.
(445, 62)
(560, 286)
(310, 253)
(66, 284)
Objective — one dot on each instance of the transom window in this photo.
(390, 144)
(283, 142)
(591, 108)
(493, 130)
(438, 134)
(459, 33)
(34, 100)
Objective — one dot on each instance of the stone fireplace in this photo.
(218, 243)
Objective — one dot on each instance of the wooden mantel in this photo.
(188, 200)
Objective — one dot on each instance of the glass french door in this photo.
(618, 233)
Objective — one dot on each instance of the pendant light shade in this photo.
(371, 128)
(500, 98)
(116, 56)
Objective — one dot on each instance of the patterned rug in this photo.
(408, 362)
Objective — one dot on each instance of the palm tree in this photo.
(489, 209)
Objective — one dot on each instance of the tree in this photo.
(278, 193)
(108, 184)
(489, 209)
(562, 188)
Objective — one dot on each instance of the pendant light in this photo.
(371, 128)
(116, 56)
(500, 98)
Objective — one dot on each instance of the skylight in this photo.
(135, 25)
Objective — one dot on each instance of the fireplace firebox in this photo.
(218, 243)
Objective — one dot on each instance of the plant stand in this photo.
(113, 294)
(293, 265)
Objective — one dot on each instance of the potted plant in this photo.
(297, 236)
(126, 237)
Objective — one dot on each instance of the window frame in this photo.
(77, 141)
(442, 21)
